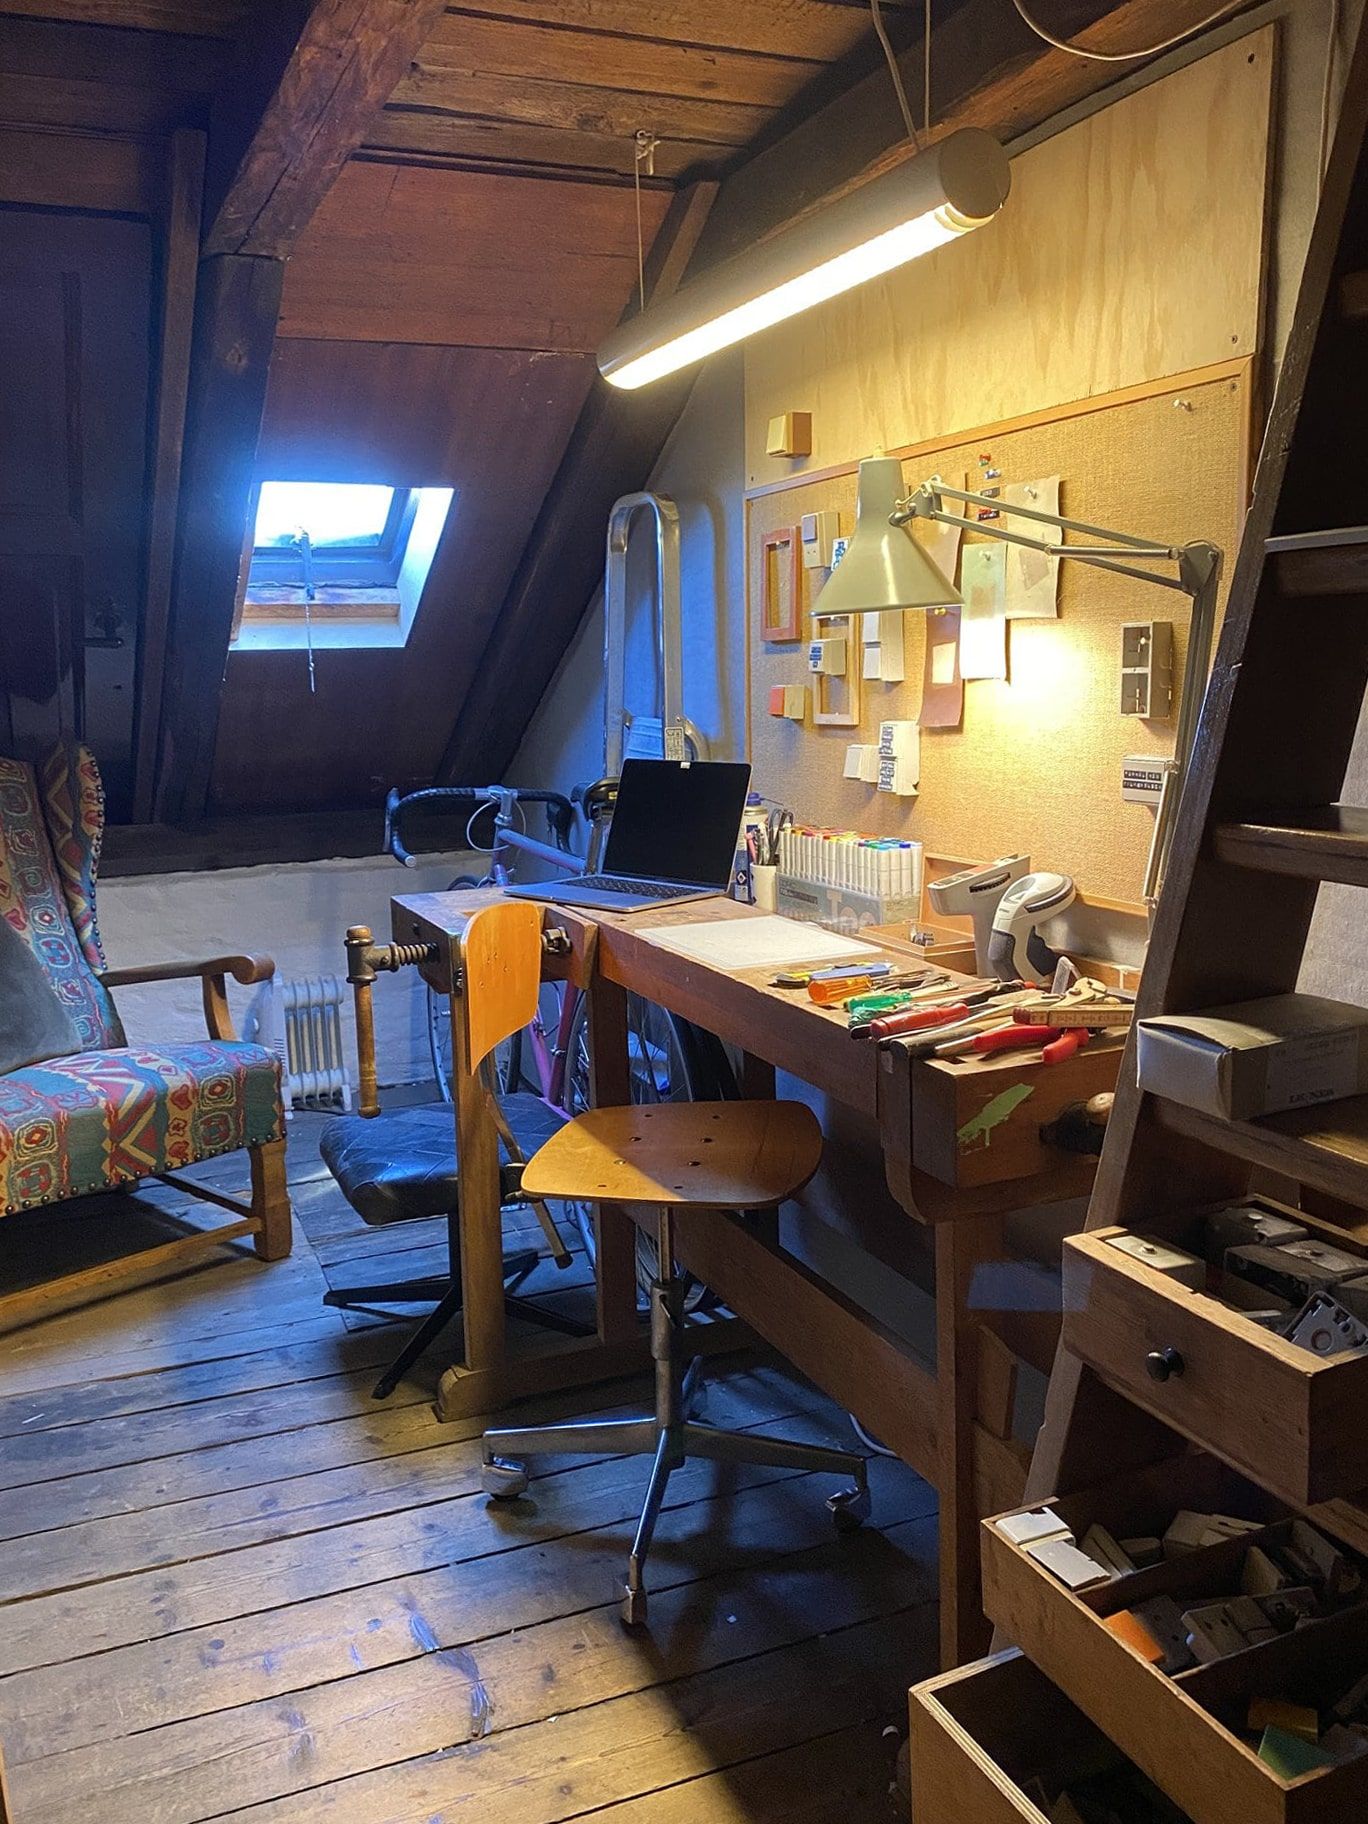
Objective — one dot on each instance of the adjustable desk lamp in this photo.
(1197, 573)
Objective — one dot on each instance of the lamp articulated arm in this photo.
(1196, 574)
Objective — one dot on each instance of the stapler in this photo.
(974, 893)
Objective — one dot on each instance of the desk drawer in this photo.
(1287, 1418)
(1187, 1732)
(993, 1742)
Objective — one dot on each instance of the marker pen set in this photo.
(883, 867)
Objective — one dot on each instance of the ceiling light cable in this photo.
(926, 68)
(895, 73)
(1077, 50)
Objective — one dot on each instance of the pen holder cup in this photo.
(764, 887)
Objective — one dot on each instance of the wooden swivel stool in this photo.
(671, 1157)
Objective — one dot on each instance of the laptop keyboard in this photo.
(641, 889)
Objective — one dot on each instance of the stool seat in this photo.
(401, 1166)
(708, 1155)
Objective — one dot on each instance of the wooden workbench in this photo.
(961, 1146)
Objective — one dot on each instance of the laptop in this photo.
(673, 836)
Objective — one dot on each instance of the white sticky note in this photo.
(983, 625)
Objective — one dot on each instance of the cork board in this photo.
(1036, 761)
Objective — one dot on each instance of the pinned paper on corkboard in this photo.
(983, 626)
(942, 701)
(1032, 582)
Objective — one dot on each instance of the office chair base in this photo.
(447, 1294)
(670, 1436)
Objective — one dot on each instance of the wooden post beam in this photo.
(311, 77)
(236, 308)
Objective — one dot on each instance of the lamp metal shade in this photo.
(884, 566)
(956, 185)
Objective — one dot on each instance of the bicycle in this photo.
(669, 1059)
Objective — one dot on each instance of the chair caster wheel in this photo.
(503, 1480)
(633, 1608)
(849, 1509)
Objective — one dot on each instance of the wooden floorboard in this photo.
(235, 1586)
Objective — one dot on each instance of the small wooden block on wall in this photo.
(781, 607)
(790, 434)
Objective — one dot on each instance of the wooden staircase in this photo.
(1148, 1368)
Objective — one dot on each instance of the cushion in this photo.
(33, 899)
(99, 1119)
(401, 1166)
(33, 1022)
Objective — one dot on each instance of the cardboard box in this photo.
(1256, 1058)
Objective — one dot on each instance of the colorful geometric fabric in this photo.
(102, 1118)
(33, 898)
(73, 808)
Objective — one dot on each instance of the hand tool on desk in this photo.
(917, 1017)
(980, 1019)
(800, 977)
(1087, 1003)
(1055, 1045)
(836, 993)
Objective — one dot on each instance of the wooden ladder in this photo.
(1258, 830)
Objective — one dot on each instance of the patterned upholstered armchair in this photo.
(81, 1109)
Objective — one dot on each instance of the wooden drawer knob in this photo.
(1164, 1364)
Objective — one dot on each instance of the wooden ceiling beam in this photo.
(311, 77)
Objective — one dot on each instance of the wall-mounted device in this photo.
(1016, 950)
(974, 893)
(1147, 668)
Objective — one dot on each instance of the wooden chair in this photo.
(667, 1158)
(92, 1112)
(401, 1165)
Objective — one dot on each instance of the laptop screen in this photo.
(675, 822)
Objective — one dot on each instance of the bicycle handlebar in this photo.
(559, 811)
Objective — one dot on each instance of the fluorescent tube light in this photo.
(958, 185)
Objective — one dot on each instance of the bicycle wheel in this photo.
(669, 1060)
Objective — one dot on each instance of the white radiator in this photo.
(303, 1026)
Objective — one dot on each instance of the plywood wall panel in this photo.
(1036, 762)
(1131, 248)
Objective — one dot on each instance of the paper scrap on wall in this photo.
(983, 626)
(1032, 579)
(942, 700)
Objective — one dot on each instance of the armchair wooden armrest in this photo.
(212, 971)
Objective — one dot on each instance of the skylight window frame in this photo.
(344, 566)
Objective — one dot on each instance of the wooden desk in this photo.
(961, 1146)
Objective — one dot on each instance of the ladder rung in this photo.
(1325, 1146)
(1330, 562)
(1329, 842)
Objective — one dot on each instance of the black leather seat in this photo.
(401, 1166)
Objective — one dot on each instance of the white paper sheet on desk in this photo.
(759, 943)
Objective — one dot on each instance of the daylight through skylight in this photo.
(332, 513)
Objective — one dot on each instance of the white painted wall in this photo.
(298, 914)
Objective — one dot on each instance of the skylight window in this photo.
(333, 513)
(338, 563)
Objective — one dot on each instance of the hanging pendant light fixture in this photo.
(954, 187)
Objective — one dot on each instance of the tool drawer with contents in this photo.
(1219, 1641)
(1245, 1327)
